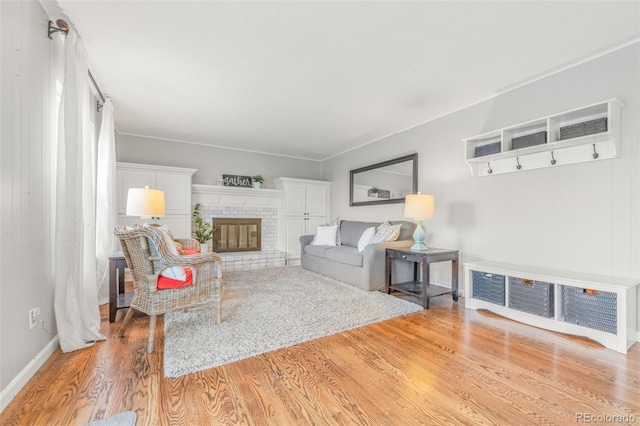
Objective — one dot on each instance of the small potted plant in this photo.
(257, 181)
(204, 231)
(373, 192)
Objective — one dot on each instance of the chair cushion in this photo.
(166, 282)
(345, 254)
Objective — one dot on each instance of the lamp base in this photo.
(419, 246)
(418, 237)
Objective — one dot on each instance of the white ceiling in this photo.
(314, 79)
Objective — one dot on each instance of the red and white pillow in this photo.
(175, 277)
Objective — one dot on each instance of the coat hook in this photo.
(553, 160)
(519, 166)
(489, 170)
(595, 153)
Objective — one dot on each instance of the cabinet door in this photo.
(294, 199)
(294, 227)
(316, 200)
(312, 223)
(132, 179)
(177, 192)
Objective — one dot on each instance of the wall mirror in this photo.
(384, 183)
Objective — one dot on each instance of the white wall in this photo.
(25, 157)
(583, 217)
(212, 162)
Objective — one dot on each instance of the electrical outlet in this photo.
(33, 315)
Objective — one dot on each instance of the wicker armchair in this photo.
(147, 253)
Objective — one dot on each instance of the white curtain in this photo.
(106, 215)
(76, 295)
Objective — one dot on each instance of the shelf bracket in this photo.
(553, 160)
(518, 166)
(595, 153)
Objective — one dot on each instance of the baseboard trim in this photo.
(12, 389)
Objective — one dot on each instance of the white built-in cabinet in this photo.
(174, 181)
(562, 143)
(305, 205)
(602, 308)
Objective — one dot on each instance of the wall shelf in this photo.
(556, 151)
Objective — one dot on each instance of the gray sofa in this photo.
(345, 263)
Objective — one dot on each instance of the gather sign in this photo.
(237, 180)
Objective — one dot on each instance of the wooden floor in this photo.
(444, 366)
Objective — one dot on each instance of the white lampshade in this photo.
(419, 206)
(145, 202)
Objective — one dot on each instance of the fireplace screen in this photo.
(234, 234)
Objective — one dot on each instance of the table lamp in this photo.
(419, 207)
(146, 203)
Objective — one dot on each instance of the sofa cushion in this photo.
(351, 231)
(345, 254)
(319, 251)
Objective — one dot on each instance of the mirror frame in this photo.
(414, 189)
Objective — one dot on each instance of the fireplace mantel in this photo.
(215, 195)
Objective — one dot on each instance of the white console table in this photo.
(624, 317)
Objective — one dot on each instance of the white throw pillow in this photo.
(365, 238)
(336, 221)
(386, 232)
(325, 235)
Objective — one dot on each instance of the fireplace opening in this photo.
(234, 234)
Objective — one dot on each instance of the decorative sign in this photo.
(237, 180)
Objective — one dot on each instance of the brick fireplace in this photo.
(235, 205)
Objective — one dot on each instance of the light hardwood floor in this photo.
(444, 366)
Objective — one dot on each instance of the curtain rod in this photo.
(64, 28)
(98, 103)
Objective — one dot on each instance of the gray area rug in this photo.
(268, 309)
(127, 418)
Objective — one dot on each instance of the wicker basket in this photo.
(534, 297)
(590, 308)
(599, 125)
(487, 149)
(532, 139)
(488, 287)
